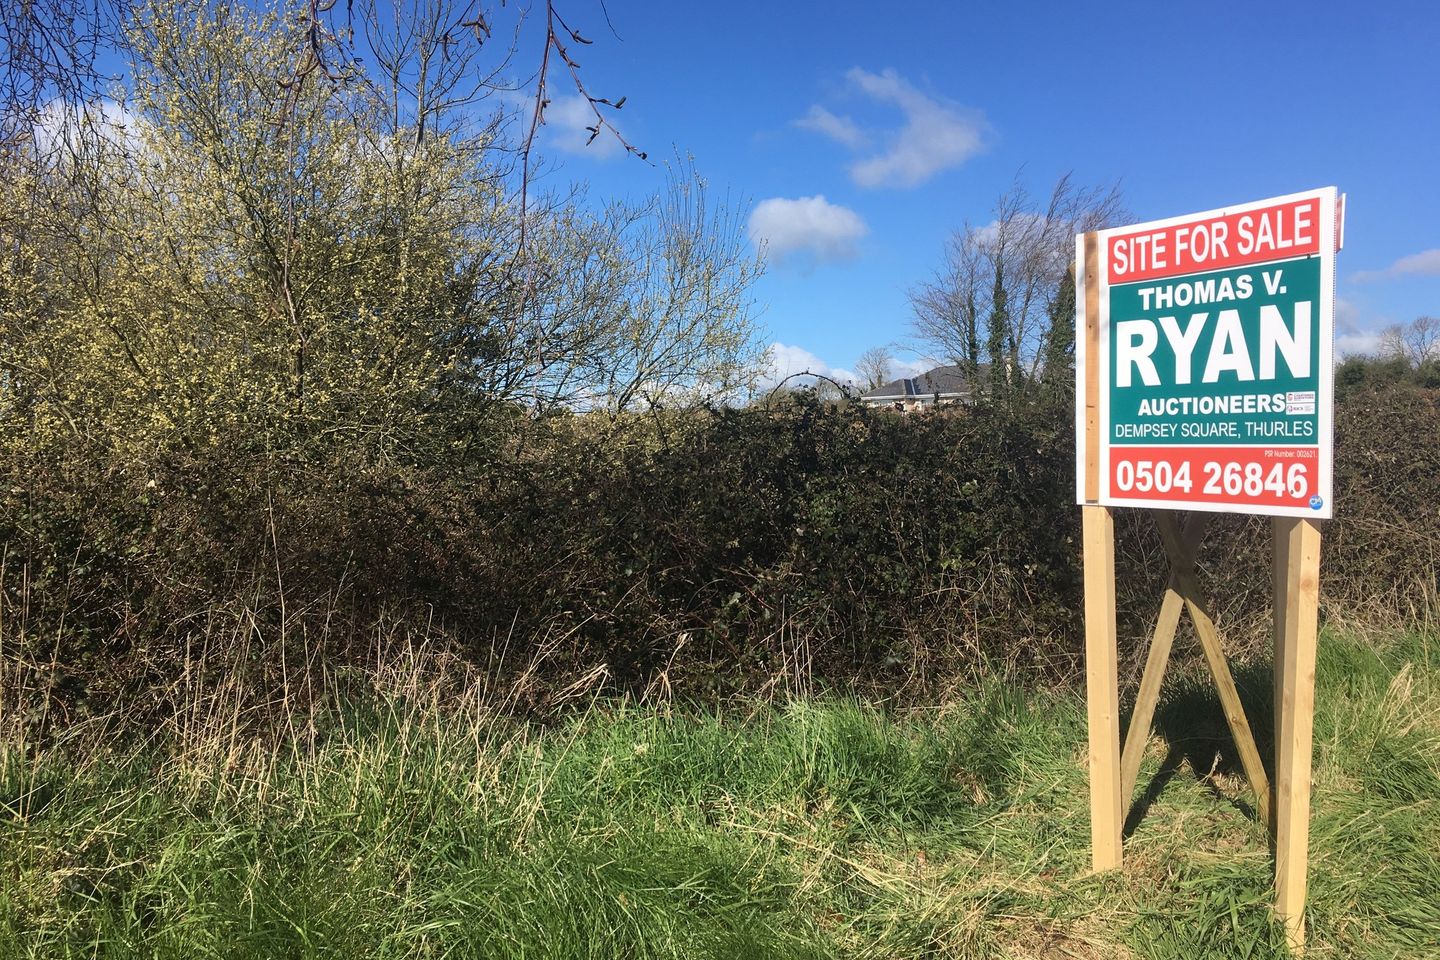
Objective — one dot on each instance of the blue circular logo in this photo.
(1316, 502)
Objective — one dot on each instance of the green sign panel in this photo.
(1221, 358)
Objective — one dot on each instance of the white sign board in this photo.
(1205, 376)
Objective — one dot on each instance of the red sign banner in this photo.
(1230, 240)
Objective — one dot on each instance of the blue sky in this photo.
(910, 118)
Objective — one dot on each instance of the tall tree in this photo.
(1057, 372)
(1415, 343)
(339, 282)
(999, 335)
(970, 340)
(1029, 245)
(874, 368)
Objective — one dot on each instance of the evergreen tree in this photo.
(1058, 374)
(999, 337)
(970, 361)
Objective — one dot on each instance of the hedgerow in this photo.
(791, 545)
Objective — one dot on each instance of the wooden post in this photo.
(1279, 585)
(1102, 688)
(1297, 564)
(1102, 671)
(1092, 367)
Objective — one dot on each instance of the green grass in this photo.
(815, 829)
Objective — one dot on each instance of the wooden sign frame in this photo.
(1284, 805)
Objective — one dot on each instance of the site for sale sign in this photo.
(1204, 360)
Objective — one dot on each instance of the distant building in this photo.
(939, 387)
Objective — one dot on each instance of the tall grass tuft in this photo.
(419, 821)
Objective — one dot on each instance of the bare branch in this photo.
(1016, 262)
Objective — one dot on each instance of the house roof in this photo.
(948, 381)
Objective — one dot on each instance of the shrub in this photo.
(797, 543)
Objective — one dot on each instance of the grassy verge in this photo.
(817, 829)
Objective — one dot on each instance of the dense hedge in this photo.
(797, 542)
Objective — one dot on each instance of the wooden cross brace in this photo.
(1182, 592)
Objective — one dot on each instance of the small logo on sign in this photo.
(1316, 502)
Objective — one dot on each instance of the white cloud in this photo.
(912, 368)
(1356, 329)
(1359, 330)
(1426, 263)
(840, 129)
(1020, 225)
(1357, 344)
(787, 360)
(936, 136)
(1347, 316)
(106, 123)
(567, 118)
(809, 227)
